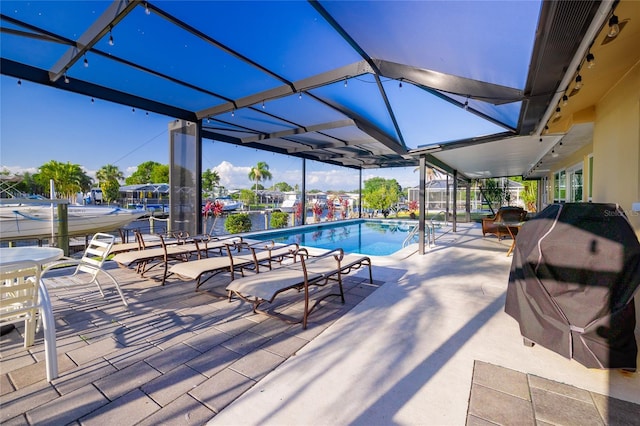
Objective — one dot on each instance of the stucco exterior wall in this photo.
(616, 151)
(616, 146)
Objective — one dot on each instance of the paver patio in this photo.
(420, 346)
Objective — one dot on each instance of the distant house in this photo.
(436, 195)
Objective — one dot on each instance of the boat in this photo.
(228, 203)
(20, 221)
(289, 204)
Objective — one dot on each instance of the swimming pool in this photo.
(364, 236)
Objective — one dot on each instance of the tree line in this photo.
(70, 179)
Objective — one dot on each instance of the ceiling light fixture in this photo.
(591, 60)
(614, 27)
(578, 85)
(111, 43)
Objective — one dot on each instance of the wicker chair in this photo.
(491, 225)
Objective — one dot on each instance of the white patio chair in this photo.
(88, 268)
(24, 298)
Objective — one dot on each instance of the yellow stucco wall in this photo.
(616, 146)
(616, 152)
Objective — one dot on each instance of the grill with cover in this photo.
(575, 270)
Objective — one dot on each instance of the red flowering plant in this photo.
(331, 210)
(298, 212)
(214, 210)
(316, 209)
(413, 206)
(345, 207)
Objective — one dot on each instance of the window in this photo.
(575, 181)
(560, 186)
(545, 189)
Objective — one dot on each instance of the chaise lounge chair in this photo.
(306, 272)
(146, 259)
(240, 257)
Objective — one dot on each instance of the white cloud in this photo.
(19, 170)
(130, 170)
(233, 177)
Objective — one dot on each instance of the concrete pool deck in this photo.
(414, 350)
(428, 343)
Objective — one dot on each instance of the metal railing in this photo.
(430, 237)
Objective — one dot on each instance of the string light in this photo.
(466, 104)
(111, 43)
(614, 27)
(300, 95)
(233, 112)
(146, 8)
(558, 112)
(565, 100)
(86, 62)
(591, 60)
(400, 84)
(19, 82)
(345, 82)
(578, 85)
(66, 79)
(93, 100)
(263, 107)
(133, 110)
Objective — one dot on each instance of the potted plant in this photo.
(413, 206)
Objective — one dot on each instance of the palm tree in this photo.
(258, 173)
(69, 178)
(210, 179)
(109, 172)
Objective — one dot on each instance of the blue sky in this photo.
(39, 124)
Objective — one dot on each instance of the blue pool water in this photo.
(369, 237)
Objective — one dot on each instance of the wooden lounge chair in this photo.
(240, 256)
(300, 276)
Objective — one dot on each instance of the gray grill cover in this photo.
(574, 273)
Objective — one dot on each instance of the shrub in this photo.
(236, 223)
(279, 220)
